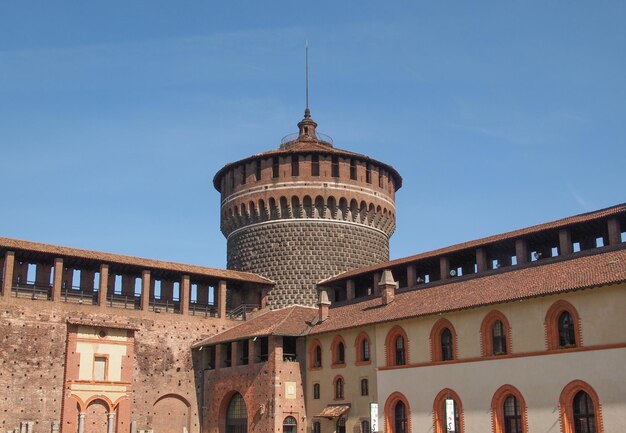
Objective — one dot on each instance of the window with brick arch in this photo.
(495, 334)
(498, 338)
(339, 385)
(290, 425)
(338, 352)
(236, 415)
(400, 418)
(562, 326)
(508, 411)
(580, 409)
(315, 354)
(396, 347)
(362, 344)
(439, 411)
(443, 341)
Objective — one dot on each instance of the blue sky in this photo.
(114, 116)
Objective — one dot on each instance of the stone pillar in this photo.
(111, 422)
(145, 290)
(615, 231)
(185, 289)
(9, 262)
(521, 251)
(234, 353)
(444, 268)
(350, 289)
(58, 279)
(221, 299)
(104, 284)
(411, 276)
(81, 423)
(481, 260)
(251, 353)
(565, 242)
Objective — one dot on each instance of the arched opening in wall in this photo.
(172, 413)
(362, 212)
(273, 208)
(296, 210)
(354, 210)
(332, 207)
(97, 417)
(370, 213)
(262, 211)
(319, 207)
(290, 425)
(284, 208)
(343, 208)
(308, 206)
(236, 419)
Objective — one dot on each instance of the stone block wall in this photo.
(297, 254)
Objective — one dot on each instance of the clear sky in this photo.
(115, 115)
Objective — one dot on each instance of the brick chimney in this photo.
(387, 287)
(324, 305)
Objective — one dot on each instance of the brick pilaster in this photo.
(58, 279)
(185, 288)
(221, 299)
(103, 285)
(9, 262)
(615, 235)
(145, 290)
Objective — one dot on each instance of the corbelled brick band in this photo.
(296, 254)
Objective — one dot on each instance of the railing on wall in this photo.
(206, 310)
(165, 305)
(32, 290)
(132, 302)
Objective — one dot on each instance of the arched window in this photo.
(498, 338)
(365, 426)
(400, 354)
(365, 387)
(396, 347)
(508, 410)
(580, 409)
(562, 326)
(397, 412)
(567, 336)
(339, 385)
(339, 352)
(446, 345)
(317, 427)
(315, 355)
(399, 419)
(341, 425)
(236, 415)
(290, 425)
(443, 341)
(362, 345)
(439, 411)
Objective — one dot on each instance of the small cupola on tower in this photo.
(307, 127)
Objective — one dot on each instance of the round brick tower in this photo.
(305, 212)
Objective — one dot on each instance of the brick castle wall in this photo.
(297, 254)
(32, 362)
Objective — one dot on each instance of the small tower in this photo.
(305, 212)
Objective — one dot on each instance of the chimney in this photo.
(324, 305)
(387, 287)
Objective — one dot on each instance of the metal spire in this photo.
(307, 112)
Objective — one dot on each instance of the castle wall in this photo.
(296, 254)
(34, 336)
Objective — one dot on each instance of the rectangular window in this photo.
(275, 167)
(381, 175)
(315, 165)
(368, 173)
(295, 165)
(244, 352)
(258, 170)
(364, 387)
(243, 174)
(232, 179)
(335, 167)
(99, 368)
(316, 391)
(352, 169)
(228, 359)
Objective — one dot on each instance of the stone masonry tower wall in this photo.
(305, 212)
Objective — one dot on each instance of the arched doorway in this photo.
(171, 412)
(236, 415)
(97, 417)
(290, 425)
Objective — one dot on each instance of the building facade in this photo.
(312, 328)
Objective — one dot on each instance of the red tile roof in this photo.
(576, 219)
(537, 279)
(292, 321)
(59, 251)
